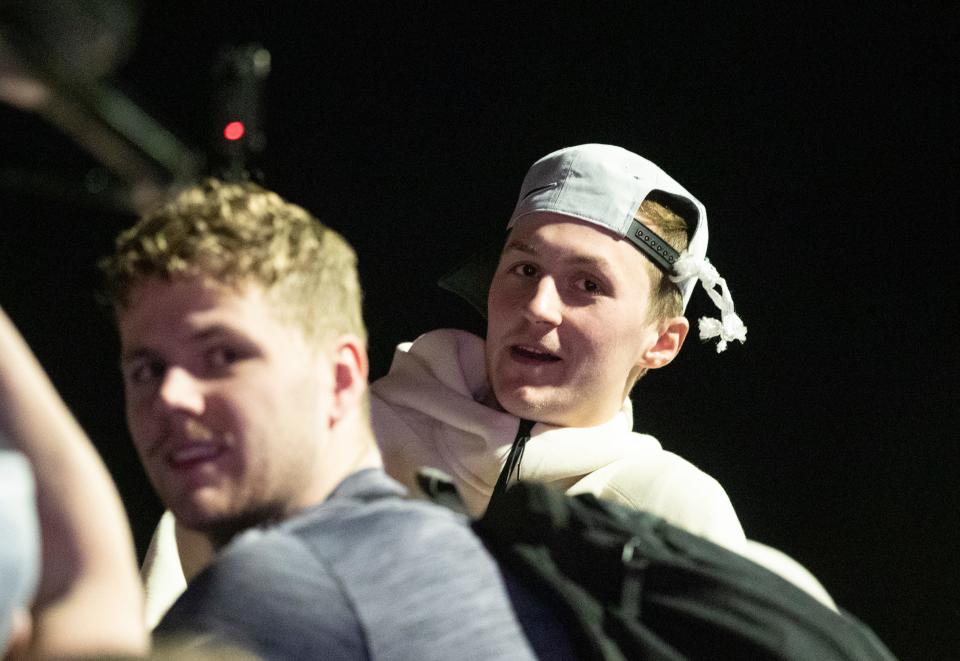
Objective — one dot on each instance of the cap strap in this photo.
(729, 327)
(653, 246)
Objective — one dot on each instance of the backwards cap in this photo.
(605, 185)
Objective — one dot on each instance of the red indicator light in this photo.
(233, 131)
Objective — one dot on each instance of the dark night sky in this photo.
(823, 145)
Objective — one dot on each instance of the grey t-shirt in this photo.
(366, 575)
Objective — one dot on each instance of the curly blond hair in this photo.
(241, 233)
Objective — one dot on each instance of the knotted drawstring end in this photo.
(729, 327)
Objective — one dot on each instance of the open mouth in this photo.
(533, 354)
(194, 454)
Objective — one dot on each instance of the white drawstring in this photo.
(729, 327)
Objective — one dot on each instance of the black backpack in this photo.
(629, 585)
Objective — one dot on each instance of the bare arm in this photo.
(89, 600)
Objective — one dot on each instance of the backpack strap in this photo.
(438, 487)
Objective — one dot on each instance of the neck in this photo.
(350, 448)
(367, 455)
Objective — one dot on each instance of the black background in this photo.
(823, 143)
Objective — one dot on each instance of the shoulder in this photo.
(442, 341)
(358, 538)
(671, 487)
(444, 358)
(269, 593)
(421, 582)
(436, 346)
(365, 575)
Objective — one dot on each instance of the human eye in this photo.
(525, 270)
(144, 371)
(222, 356)
(590, 286)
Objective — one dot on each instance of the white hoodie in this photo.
(427, 412)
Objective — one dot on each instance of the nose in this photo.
(545, 305)
(181, 391)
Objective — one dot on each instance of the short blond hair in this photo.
(241, 233)
(667, 300)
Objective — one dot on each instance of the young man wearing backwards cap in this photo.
(603, 253)
(587, 296)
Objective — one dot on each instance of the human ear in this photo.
(351, 368)
(671, 333)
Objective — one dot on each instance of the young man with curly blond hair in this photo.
(244, 366)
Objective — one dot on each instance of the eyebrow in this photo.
(584, 260)
(202, 335)
(213, 331)
(521, 246)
